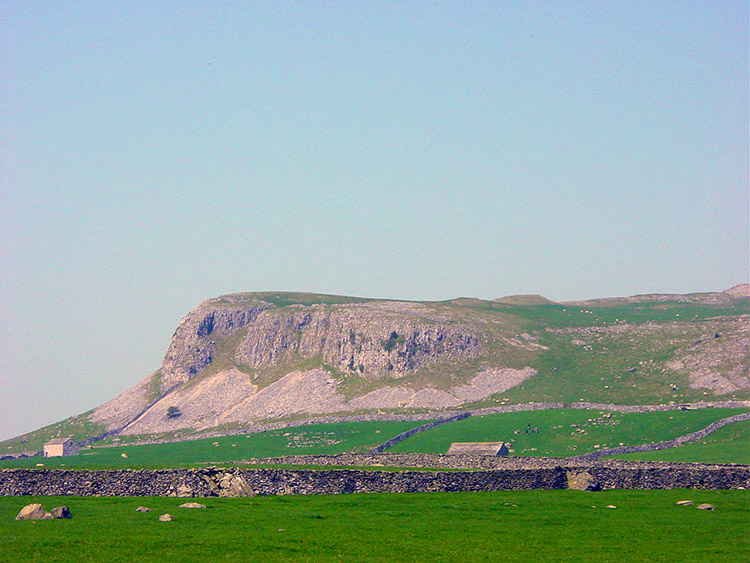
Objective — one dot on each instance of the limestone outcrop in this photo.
(371, 340)
(240, 358)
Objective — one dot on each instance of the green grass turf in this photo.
(730, 444)
(566, 315)
(494, 526)
(323, 439)
(559, 430)
(559, 435)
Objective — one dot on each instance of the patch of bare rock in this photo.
(718, 360)
(230, 396)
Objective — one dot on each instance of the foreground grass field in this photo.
(567, 432)
(498, 526)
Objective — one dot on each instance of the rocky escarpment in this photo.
(193, 343)
(240, 358)
(372, 340)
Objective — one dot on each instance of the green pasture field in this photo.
(310, 439)
(566, 432)
(730, 444)
(552, 526)
(619, 311)
(562, 433)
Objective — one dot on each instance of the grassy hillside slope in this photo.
(730, 444)
(312, 439)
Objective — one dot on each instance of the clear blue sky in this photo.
(155, 154)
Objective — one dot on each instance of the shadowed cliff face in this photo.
(193, 343)
(370, 340)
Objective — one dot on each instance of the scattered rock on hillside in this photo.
(684, 503)
(192, 505)
(165, 518)
(705, 507)
(33, 512)
(61, 512)
(143, 509)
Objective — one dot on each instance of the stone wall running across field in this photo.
(505, 474)
(684, 439)
(404, 435)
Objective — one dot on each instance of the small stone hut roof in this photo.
(498, 449)
(58, 441)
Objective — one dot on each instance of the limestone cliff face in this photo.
(372, 340)
(369, 340)
(193, 343)
(238, 358)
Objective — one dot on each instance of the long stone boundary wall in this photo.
(668, 443)
(515, 475)
(656, 408)
(404, 435)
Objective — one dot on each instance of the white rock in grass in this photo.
(33, 512)
(192, 505)
(165, 518)
(684, 503)
(705, 507)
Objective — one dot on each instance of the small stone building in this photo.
(60, 447)
(497, 449)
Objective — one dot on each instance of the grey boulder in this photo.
(581, 481)
(33, 512)
(61, 512)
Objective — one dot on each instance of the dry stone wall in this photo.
(507, 474)
(404, 435)
(685, 438)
